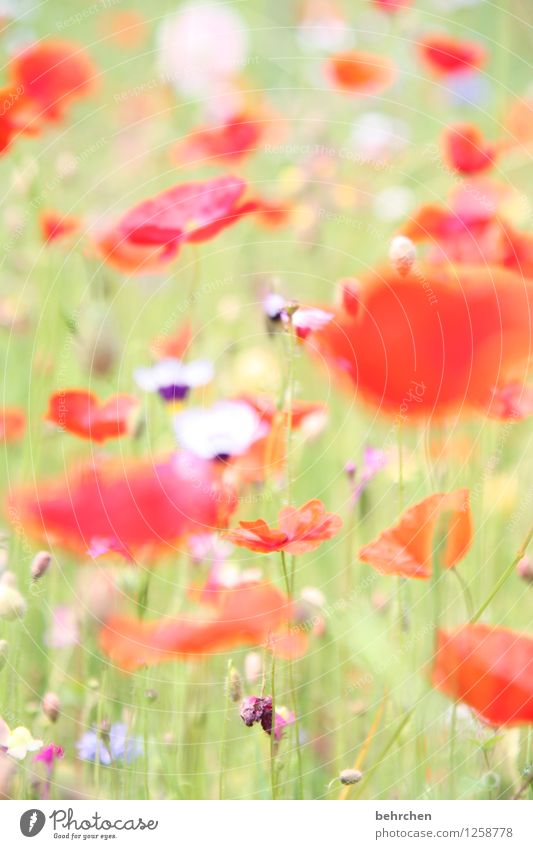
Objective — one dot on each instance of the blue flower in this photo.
(121, 747)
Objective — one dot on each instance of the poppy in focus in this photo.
(488, 668)
(83, 414)
(406, 548)
(300, 529)
(357, 72)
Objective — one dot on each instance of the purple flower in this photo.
(257, 709)
(121, 747)
(374, 460)
(48, 755)
(173, 379)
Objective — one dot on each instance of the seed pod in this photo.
(350, 776)
(51, 706)
(234, 685)
(402, 254)
(40, 564)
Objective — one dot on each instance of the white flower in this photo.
(202, 47)
(172, 379)
(273, 305)
(226, 429)
(20, 742)
(306, 320)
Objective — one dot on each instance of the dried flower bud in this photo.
(290, 308)
(151, 695)
(51, 706)
(40, 564)
(350, 469)
(525, 568)
(234, 685)
(350, 776)
(402, 254)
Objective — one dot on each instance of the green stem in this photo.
(505, 575)
(273, 781)
(223, 743)
(385, 751)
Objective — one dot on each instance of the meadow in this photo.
(328, 329)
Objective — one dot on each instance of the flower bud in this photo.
(51, 706)
(350, 776)
(402, 254)
(234, 685)
(525, 568)
(40, 564)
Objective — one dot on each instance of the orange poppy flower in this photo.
(12, 424)
(131, 506)
(53, 73)
(435, 342)
(174, 345)
(445, 55)
(56, 225)
(466, 151)
(301, 529)
(488, 668)
(248, 615)
(360, 73)
(83, 414)
(406, 548)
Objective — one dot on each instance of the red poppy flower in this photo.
(17, 116)
(56, 225)
(360, 73)
(82, 413)
(406, 548)
(253, 614)
(434, 342)
(445, 55)
(53, 73)
(488, 668)
(231, 142)
(150, 235)
(141, 507)
(12, 424)
(466, 151)
(301, 529)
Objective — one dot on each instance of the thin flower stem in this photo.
(385, 751)
(224, 741)
(505, 575)
(273, 780)
(289, 581)
(360, 759)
